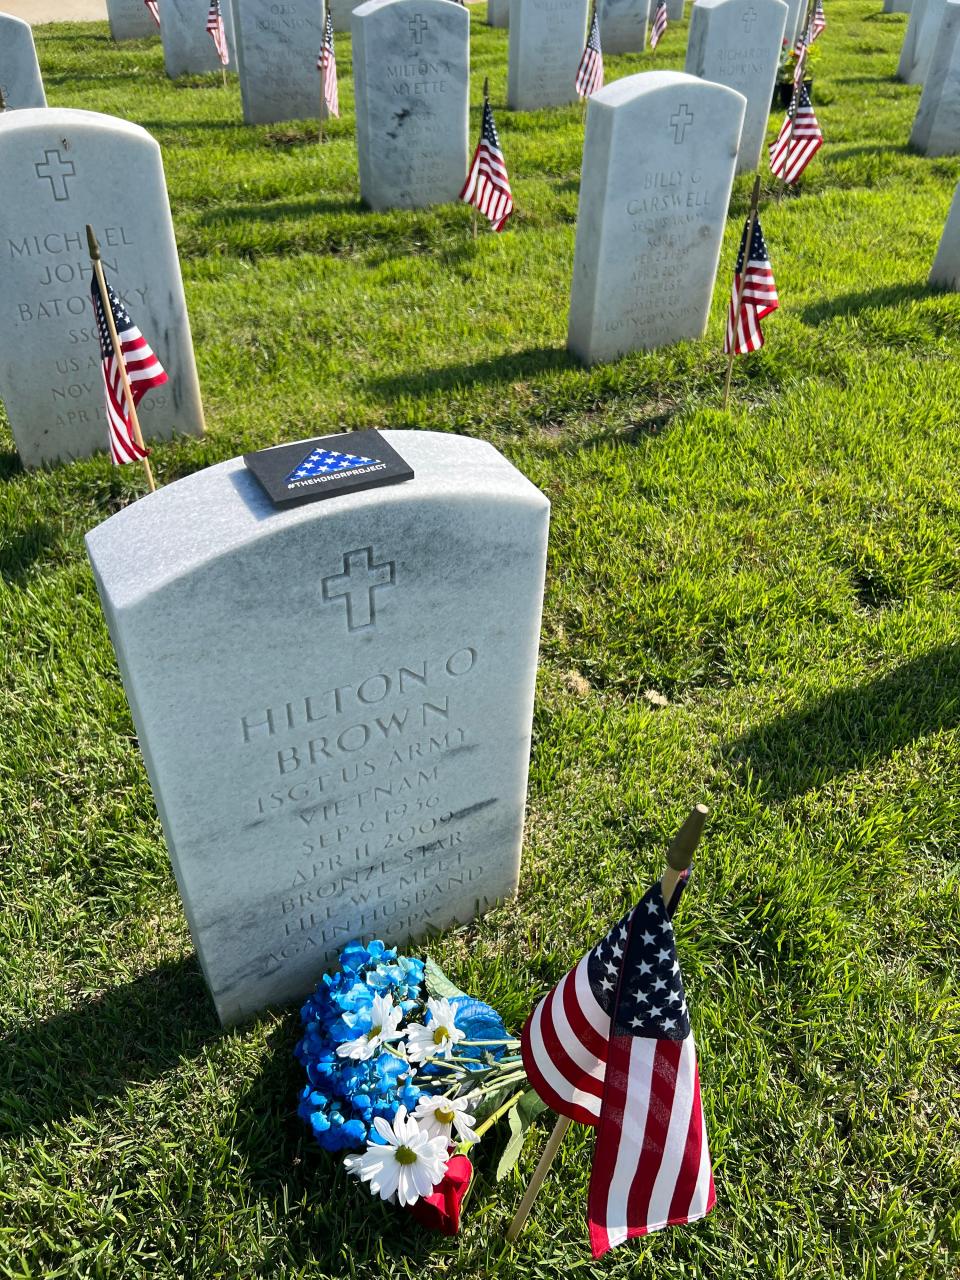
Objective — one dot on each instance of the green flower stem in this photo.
(501, 1084)
(501, 1111)
(473, 1044)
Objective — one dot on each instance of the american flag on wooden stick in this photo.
(327, 66)
(659, 24)
(819, 22)
(794, 147)
(590, 71)
(215, 30)
(153, 10)
(487, 186)
(144, 371)
(754, 294)
(611, 1046)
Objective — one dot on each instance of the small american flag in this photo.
(216, 31)
(327, 66)
(754, 295)
(487, 186)
(590, 71)
(799, 66)
(153, 10)
(790, 155)
(611, 1046)
(659, 24)
(144, 371)
(819, 21)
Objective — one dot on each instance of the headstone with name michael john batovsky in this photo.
(546, 41)
(333, 698)
(20, 79)
(277, 48)
(64, 169)
(945, 273)
(936, 128)
(411, 68)
(737, 43)
(658, 160)
(130, 20)
(188, 48)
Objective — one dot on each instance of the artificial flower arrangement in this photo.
(405, 1073)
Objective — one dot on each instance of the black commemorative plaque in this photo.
(327, 467)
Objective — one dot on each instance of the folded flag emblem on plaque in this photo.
(323, 461)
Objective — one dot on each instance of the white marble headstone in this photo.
(277, 46)
(936, 129)
(340, 13)
(498, 13)
(796, 12)
(623, 25)
(897, 6)
(675, 10)
(333, 702)
(19, 70)
(920, 40)
(658, 160)
(130, 20)
(945, 273)
(64, 169)
(546, 42)
(411, 68)
(737, 43)
(188, 48)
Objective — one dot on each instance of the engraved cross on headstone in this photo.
(56, 170)
(748, 18)
(357, 584)
(679, 121)
(418, 26)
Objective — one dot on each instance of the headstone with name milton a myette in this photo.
(64, 169)
(658, 161)
(277, 46)
(20, 80)
(333, 700)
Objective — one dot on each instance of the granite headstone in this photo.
(411, 67)
(188, 48)
(936, 128)
(64, 169)
(333, 701)
(945, 273)
(130, 20)
(20, 79)
(277, 46)
(737, 43)
(623, 25)
(546, 42)
(658, 160)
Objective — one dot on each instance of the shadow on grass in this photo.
(21, 550)
(869, 149)
(76, 1059)
(10, 464)
(851, 304)
(277, 210)
(853, 728)
(505, 368)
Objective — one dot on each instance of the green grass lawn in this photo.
(785, 575)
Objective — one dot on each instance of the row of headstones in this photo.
(931, 56)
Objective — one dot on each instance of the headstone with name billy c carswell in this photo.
(333, 699)
(945, 273)
(20, 80)
(623, 25)
(188, 48)
(737, 43)
(130, 20)
(658, 160)
(936, 129)
(63, 169)
(411, 68)
(277, 45)
(547, 38)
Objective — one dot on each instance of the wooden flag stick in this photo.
(679, 857)
(118, 349)
(752, 219)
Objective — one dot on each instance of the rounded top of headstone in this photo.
(9, 19)
(646, 83)
(71, 119)
(771, 6)
(377, 6)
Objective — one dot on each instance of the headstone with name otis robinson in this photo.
(333, 701)
(546, 41)
(936, 129)
(658, 160)
(737, 43)
(277, 45)
(66, 168)
(188, 48)
(130, 20)
(20, 79)
(411, 68)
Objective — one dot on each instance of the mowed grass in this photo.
(782, 576)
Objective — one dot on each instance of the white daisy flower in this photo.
(439, 1116)
(408, 1163)
(385, 1019)
(437, 1038)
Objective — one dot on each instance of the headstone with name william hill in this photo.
(333, 698)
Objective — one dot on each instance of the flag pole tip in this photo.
(92, 243)
(680, 854)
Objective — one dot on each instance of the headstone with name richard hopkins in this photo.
(658, 159)
(20, 79)
(130, 20)
(188, 48)
(411, 68)
(62, 169)
(546, 42)
(277, 45)
(737, 43)
(936, 129)
(333, 700)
